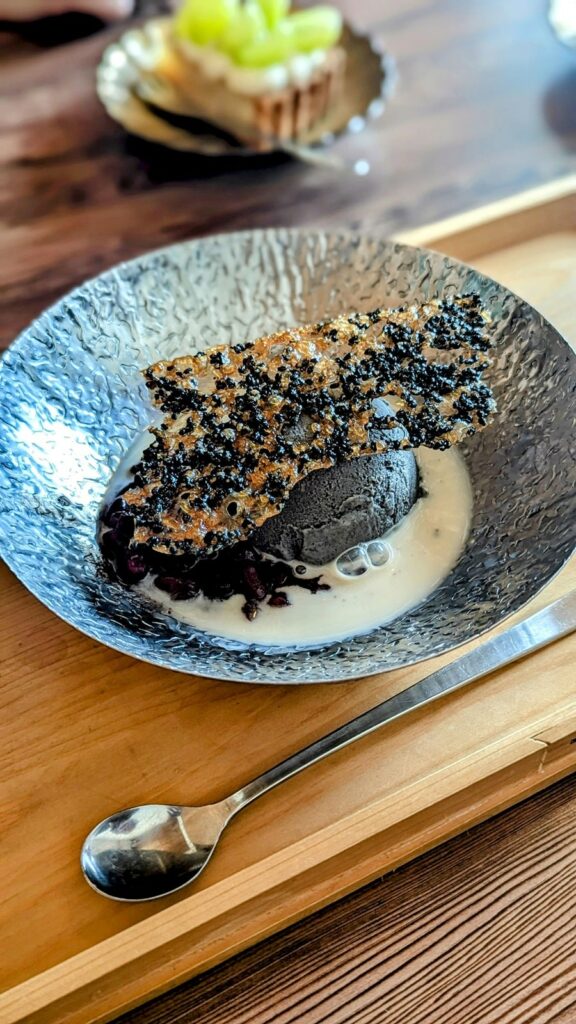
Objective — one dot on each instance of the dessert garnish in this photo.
(243, 424)
(255, 67)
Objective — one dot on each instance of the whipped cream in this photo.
(217, 66)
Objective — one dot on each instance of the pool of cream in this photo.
(419, 554)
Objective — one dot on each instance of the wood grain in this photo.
(81, 721)
(477, 932)
(548, 209)
(483, 108)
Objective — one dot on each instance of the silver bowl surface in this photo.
(72, 400)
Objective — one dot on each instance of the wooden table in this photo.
(484, 107)
(481, 929)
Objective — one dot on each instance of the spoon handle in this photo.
(554, 621)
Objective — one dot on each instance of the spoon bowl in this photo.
(146, 852)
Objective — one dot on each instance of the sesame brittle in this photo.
(243, 424)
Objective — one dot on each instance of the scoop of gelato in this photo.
(334, 509)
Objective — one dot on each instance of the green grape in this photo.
(317, 28)
(204, 21)
(274, 11)
(247, 25)
(182, 23)
(273, 48)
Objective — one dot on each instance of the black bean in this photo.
(254, 587)
(117, 506)
(250, 610)
(179, 589)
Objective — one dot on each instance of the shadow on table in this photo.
(162, 165)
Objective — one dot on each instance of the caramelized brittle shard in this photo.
(243, 424)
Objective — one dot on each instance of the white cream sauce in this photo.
(422, 550)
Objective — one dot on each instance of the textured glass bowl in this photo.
(72, 400)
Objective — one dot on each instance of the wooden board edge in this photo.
(117, 994)
(475, 233)
(95, 986)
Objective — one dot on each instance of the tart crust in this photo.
(286, 114)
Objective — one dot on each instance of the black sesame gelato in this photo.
(334, 509)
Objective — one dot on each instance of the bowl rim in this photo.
(337, 234)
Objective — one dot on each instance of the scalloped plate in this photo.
(127, 82)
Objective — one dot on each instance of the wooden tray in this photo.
(86, 730)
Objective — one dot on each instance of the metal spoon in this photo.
(150, 851)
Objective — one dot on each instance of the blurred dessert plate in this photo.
(142, 85)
